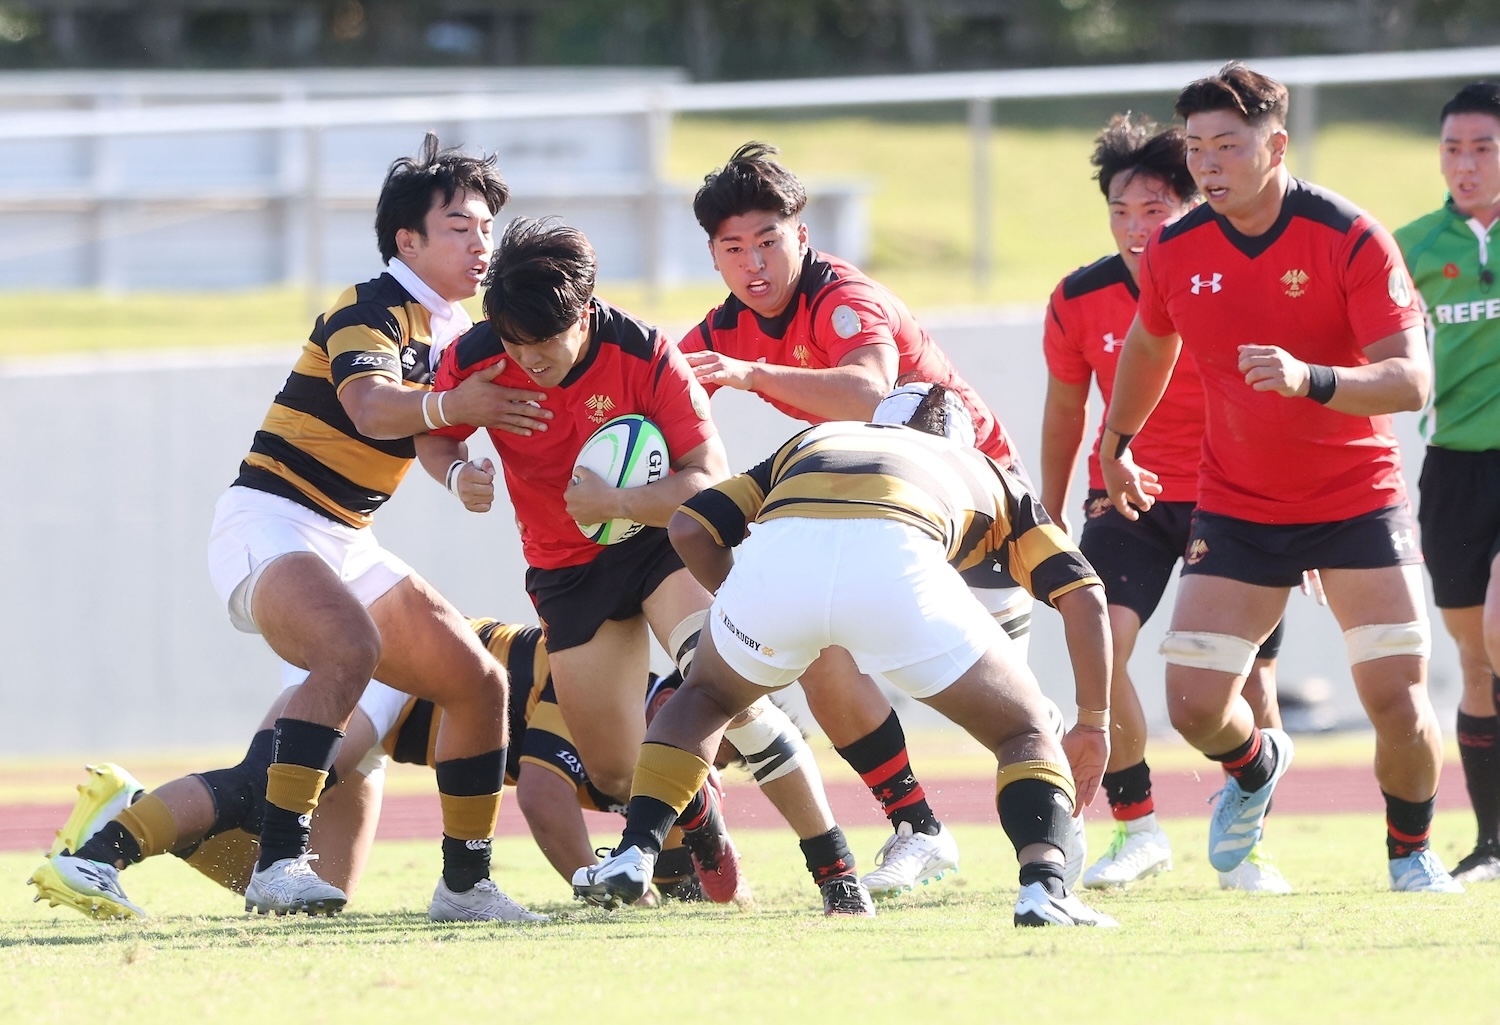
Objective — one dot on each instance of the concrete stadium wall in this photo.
(112, 640)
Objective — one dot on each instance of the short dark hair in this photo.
(1235, 87)
(1129, 145)
(751, 180)
(413, 184)
(540, 280)
(931, 414)
(1474, 98)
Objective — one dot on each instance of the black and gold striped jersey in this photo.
(308, 449)
(957, 495)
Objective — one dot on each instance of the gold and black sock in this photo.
(1251, 763)
(1035, 801)
(469, 789)
(1479, 752)
(668, 787)
(881, 759)
(827, 856)
(301, 754)
(1408, 825)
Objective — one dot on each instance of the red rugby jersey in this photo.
(1324, 282)
(1087, 320)
(835, 310)
(630, 367)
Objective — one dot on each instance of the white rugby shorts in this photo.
(252, 529)
(881, 589)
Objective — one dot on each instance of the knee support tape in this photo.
(770, 742)
(1223, 653)
(683, 640)
(1382, 640)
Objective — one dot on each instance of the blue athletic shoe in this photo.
(1238, 816)
(1422, 872)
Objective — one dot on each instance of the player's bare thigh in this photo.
(312, 620)
(430, 652)
(601, 690)
(998, 701)
(847, 703)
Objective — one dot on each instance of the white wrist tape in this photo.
(442, 414)
(426, 417)
(450, 479)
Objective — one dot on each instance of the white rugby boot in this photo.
(909, 859)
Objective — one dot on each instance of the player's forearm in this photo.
(1062, 438)
(1395, 385)
(437, 454)
(384, 410)
(1141, 379)
(550, 806)
(834, 393)
(1086, 630)
(654, 504)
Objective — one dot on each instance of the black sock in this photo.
(1049, 874)
(1251, 763)
(465, 862)
(1479, 751)
(647, 823)
(881, 760)
(1129, 792)
(827, 855)
(284, 832)
(674, 864)
(696, 814)
(466, 857)
(111, 845)
(1407, 825)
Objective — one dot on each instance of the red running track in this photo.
(1312, 791)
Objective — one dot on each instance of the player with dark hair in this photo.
(593, 362)
(1304, 329)
(1145, 182)
(879, 578)
(820, 341)
(293, 557)
(1448, 253)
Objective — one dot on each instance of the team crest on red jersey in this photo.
(1196, 551)
(801, 352)
(1398, 286)
(1296, 283)
(1098, 507)
(599, 407)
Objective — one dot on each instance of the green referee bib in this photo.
(1457, 270)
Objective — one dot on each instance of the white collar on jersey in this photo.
(449, 320)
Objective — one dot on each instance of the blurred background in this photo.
(184, 183)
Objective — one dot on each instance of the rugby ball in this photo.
(627, 452)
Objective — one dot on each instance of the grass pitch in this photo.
(1341, 949)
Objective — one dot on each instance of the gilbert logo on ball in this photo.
(628, 452)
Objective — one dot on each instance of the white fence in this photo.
(114, 642)
(211, 180)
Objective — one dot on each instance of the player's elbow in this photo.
(685, 532)
(1419, 386)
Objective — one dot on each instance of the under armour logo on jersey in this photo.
(1402, 540)
(1111, 343)
(1211, 283)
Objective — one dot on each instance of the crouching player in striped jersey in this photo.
(211, 819)
(860, 533)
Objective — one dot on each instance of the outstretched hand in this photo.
(1087, 748)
